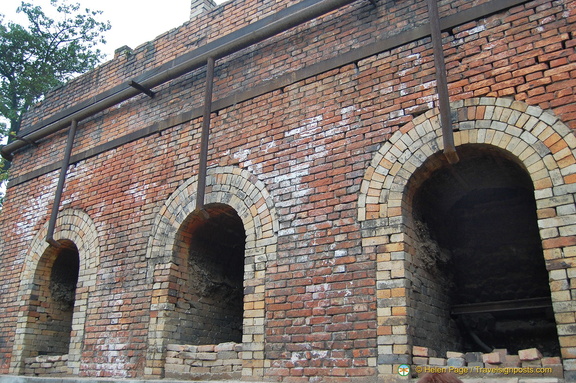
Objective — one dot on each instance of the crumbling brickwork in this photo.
(321, 141)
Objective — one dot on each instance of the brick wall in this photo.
(315, 144)
(47, 366)
(221, 361)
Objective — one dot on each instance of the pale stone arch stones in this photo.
(248, 196)
(536, 138)
(76, 226)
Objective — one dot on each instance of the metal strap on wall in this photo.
(205, 134)
(60, 187)
(442, 83)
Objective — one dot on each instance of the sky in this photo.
(134, 22)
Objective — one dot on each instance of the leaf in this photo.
(44, 54)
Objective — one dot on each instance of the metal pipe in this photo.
(60, 187)
(259, 31)
(205, 134)
(442, 83)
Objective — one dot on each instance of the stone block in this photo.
(206, 356)
(422, 351)
(188, 355)
(227, 355)
(232, 362)
(532, 363)
(454, 354)
(511, 361)
(213, 363)
(502, 351)
(492, 358)
(176, 370)
(456, 362)
(529, 354)
(419, 360)
(197, 371)
(175, 347)
(550, 361)
(473, 357)
(194, 363)
(436, 361)
(174, 360)
(229, 346)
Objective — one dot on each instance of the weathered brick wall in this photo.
(316, 166)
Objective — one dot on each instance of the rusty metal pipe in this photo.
(205, 134)
(60, 187)
(256, 32)
(442, 83)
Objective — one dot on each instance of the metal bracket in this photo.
(205, 136)
(442, 83)
(142, 89)
(60, 186)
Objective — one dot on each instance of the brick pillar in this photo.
(200, 6)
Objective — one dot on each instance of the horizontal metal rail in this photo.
(268, 86)
(502, 306)
(254, 33)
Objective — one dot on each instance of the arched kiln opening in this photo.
(52, 300)
(480, 278)
(210, 300)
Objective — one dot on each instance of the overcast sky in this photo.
(134, 22)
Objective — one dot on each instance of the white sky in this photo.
(134, 22)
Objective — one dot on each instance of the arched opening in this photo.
(52, 300)
(480, 281)
(209, 304)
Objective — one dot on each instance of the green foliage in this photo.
(44, 54)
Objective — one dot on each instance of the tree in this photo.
(36, 58)
(44, 54)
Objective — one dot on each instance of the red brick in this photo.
(529, 354)
(310, 144)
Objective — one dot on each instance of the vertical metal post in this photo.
(205, 134)
(442, 83)
(60, 187)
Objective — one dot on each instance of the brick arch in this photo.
(76, 226)
(535, 138)
(248, 196)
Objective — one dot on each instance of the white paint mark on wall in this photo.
(39, 207)
(309, 127)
